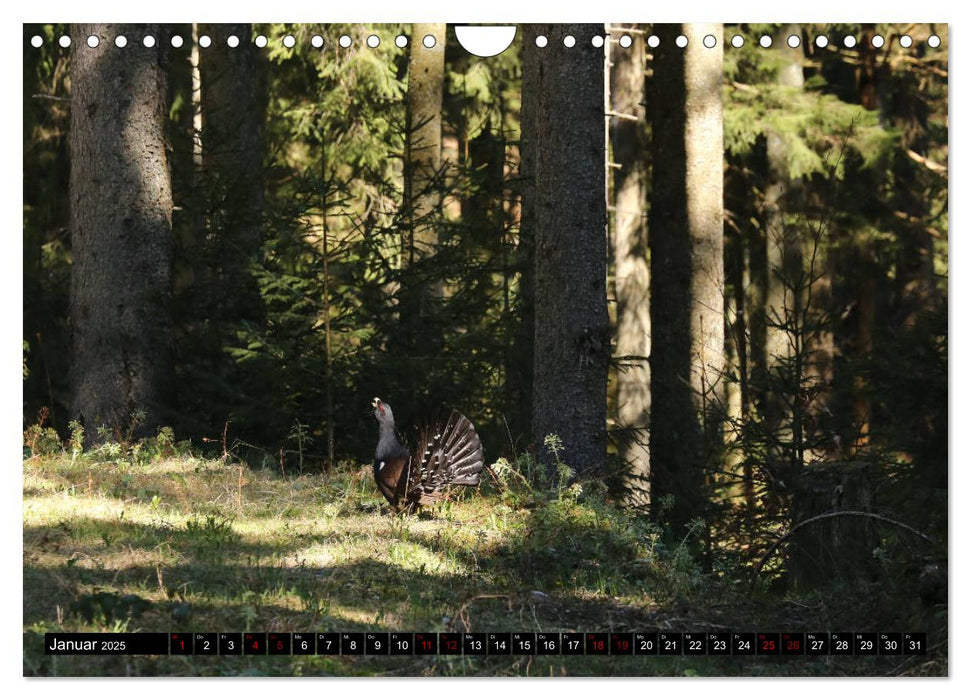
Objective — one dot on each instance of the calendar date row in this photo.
(492, 643)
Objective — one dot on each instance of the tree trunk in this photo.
(832, 551)
(572, 340)
(121, 198)
(737, 361)
(422, 286)
(232, 160)
(199, 281)
(628, 137)
(423, 154)
(687, 270)
(525, 258)
(783, 261)
(863, 261)
(326, 310)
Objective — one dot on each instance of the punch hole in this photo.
(877, 41)
(289, 41)
(93, 41)
(625, 41)
(906, 42)
(849, 41)
(176, 41)
(148, 42)
(344, 41)
(261, 42)
(542, 41)
(36, 41)
(317, 41)
(681, 41)
(373, 41)
(738, 41)
(709, 41)
(64, 41)
(822, 42)
(121, 42)
(569, 41)
(793, 41)
(428, 41)
(205, 41)
(401, 41)
(934, 41)
(232, 41)
(597, 41)
(765, 41)
(653, 41)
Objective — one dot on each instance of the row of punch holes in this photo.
(625, 41)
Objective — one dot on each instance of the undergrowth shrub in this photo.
(575, 537)
(43, 440)
(40, 439)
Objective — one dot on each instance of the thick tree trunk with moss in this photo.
(628, 140)
(687, 271)
(121, 231)
(572, 341)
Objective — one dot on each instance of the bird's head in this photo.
(382, 411)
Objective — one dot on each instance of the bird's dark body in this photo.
(447, 453)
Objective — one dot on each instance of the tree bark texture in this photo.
(121, 210)
(525, 255)
(232, 162)
(687, 269)
(572, 335)
(628, 141)
(423, 157)
(422, 285)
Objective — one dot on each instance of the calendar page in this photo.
(485, 350)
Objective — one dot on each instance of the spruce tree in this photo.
(121, 232)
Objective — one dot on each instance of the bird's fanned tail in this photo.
(448, 453)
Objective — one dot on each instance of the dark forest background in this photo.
(718, 277)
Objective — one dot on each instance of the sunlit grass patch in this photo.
(182, 543)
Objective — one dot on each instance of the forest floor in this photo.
(209, 546)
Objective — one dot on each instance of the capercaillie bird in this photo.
(448, 453)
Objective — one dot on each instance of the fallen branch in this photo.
(461, 612)
(823, 516)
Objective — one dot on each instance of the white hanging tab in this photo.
(485, 41)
